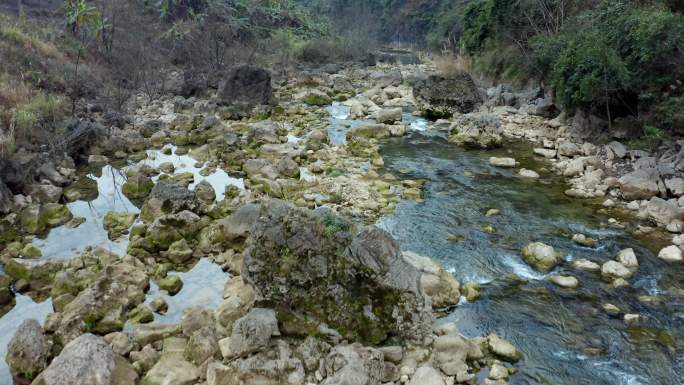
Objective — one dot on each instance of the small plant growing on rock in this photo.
(334, 224)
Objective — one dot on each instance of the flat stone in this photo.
(502, 162)
(564, 281)
(671, 254)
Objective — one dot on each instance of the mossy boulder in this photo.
(316, 98)
(117, 224)
(315, 268)
(137, 186)
(84, 189)
(38, 273)
(179, 252)
(440, 96)
(171, 283)
(36, 219)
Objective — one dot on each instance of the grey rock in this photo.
(27, 352)
(88, 360)
(251, 333)
(641, 184)
(354, 365)
(444, 96)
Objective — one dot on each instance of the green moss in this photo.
(171, 283)
(118, 224)
(137, 187)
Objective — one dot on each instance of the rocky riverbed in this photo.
(322, 233)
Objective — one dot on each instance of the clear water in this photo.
(65, 242)
(202, 287)
(24, 309)
(564, 335)
(219, 179)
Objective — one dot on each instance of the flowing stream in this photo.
(565, 336)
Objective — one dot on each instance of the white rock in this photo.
(427, 375)
(678, 239)
(585, 264)
(671, 254)
(675, 186)
(525, 173)
(614, 269)
(502, 162)
(564, 281)
(628, 258)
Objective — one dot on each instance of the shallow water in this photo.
(65, 242)
(202, 287)
(24, 309)
(218, 179)
(340, 124)
(564, 335)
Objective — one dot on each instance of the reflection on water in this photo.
(64, 242)
(565, 335)
(219, 179)
(202, 287)
(24, 309)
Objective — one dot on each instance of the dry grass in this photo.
(14, 32)
(451, 65)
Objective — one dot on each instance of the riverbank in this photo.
(188, 182)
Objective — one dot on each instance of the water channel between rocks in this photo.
(564, 335)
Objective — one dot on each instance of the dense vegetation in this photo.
(611, 58)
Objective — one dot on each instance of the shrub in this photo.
(588, 72)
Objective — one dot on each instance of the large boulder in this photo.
(442, 96)
(385, 79)
(388, 115)
(641, 184)
(27, 352)
(476, 130)
(88, 360)
(663, 212)
(245, 87)
(251, 333)
(168, 198)
(314, 268)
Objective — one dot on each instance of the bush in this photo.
(588, 72)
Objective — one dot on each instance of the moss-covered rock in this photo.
(118, 224)
(315, 268)
(171, 283)
(36, 219)
(84, 189)
(137, 186)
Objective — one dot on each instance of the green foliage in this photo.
(650, 139)
(477, 25)
(619, 55)
(588, 71)
(669, 114)
(334, 224)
